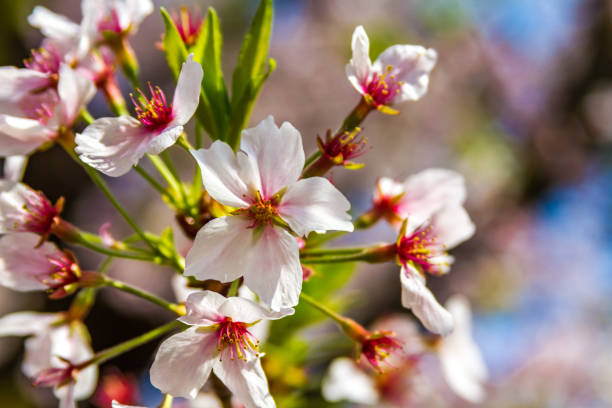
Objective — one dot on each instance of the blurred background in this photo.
(520, 103)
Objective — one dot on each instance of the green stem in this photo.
(362, 256)
(342, 321)
(99, 182)
(157, 186)
(173, 307)
(198, 134)
(92, 241)
(168, 175)
(86, 116)
(233, 290)
(312, 158)
(128, 345)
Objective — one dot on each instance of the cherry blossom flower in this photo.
(54, 342)
(345, 380)
(420, 195)
(261, 182)
(399, 74)
(462, 363)
(35, 104)
(25, 210)
(114, 145)
(421, 249)
(218, 340)
(26, 265)
(118, 18)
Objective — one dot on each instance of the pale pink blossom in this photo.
(35, 105)
(347, 381)
(14, 167)
(25, 210)
(420, 195)
(118, 18)
(462, 363)
(53, 342)
(203, 400)
(114, 145)
(421, 249)
(26, 265)
(218, 340)
(262, 182)
(400, 73)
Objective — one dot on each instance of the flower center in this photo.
(343, 146)
(153, 112)
(110, 22)
(39, 214)
(382, 88)
(63, 271)
(261, 212)
(46, 60)
(235, 339)
(422, 249)
(378, 347)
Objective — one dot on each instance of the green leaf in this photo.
(321, 286)
(250, 72)
(207, 52)
(175, 50)
(241, 110)
(254, 50)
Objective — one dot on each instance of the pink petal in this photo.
(452, 225)
(276, 153)
(358, 70)
(419, 299)
(346, 381)
(53, 25)
(314, 204)
(113, 145)
(75, 92)
(247, 311)
(21, 264)
(221, 250)
(274, 271)
(203, 308)
(26, 323)
(428, 191)
(187, 93)
(247, 381)
(222, 175)
(183, 362)
(21, 136)
(410, 64)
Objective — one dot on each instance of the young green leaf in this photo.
(175, 50)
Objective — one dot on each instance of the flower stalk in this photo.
(173, 307)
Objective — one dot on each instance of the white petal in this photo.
(462, 363)
(358, 70)
(387, 188)
(183, 362)
(419, 299)
(75, 92)
(276, 153)
(26, 323)
(247, 311)
(138, 10)
(410, 64)
(314, 204)
(221, 174)
(274, 271)
(220, 250)
(71, 342)
(203, 308)
(180, 288)
(246, 380)
(187, 93)
(22, 266)
(452, 225)
(346, 381)
(429, 190)
(12, 202)
(14, 167)
(113, 145)
(16, 82)
(165, 139)
(20, 136)
(53, 25)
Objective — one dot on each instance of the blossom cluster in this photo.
(259, 212)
